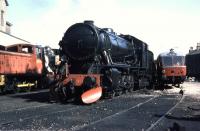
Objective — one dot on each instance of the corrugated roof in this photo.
(14, 36)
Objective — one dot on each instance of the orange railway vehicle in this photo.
(20, 59)
(171, 68)
(22, 66)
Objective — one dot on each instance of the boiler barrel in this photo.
(83, 41)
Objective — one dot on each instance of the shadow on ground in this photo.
(184, 118)
(42, 97)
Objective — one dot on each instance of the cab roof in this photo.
(170, 53)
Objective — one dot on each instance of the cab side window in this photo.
(27, 49)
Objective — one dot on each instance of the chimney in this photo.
(89, 22)
(8, 27)
(191, 49)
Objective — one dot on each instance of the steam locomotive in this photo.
(192, 62)
(97, 62)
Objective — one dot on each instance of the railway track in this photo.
(102, 115)
(148, 125)
(114, 115)
(153, 125)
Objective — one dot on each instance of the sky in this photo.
(162, 24)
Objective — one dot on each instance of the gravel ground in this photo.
(140, 110)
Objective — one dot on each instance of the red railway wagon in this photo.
(21, 65)
(171, 68)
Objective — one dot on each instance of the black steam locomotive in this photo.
(97, 62)
(193, 62)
